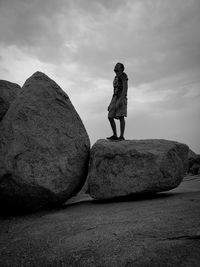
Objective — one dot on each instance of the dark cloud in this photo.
(164, 40)
(36, 27)
(154, 39)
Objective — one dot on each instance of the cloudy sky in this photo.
(78, 42)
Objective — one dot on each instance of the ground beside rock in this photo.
(135, 166)
(44, 147)
(159, 230)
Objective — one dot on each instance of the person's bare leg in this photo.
(122, 127)
(113, 126)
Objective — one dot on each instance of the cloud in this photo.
(78, 42)
(96, 34)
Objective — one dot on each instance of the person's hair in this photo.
(122, 65)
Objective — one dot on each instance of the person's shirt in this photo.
(118, 84)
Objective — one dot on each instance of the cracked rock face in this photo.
(135, 166)
(8, 92)
(44, 147)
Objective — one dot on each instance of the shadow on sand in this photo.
(136, 197)
(82, 200)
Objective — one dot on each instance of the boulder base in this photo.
(135, 166)
(44, 147)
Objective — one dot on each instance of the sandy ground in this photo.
(156, 230)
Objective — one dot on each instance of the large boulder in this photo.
(8, 92)
(44, 147)
(135, 166)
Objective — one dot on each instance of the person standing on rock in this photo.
(118, 105)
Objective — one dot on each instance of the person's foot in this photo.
(113, 137)
(121, 138)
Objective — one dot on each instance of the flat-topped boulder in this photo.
(8, 93)
(44, 147)
(135, 166)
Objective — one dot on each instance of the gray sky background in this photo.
(78, 42)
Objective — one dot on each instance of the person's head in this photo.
(119, 68)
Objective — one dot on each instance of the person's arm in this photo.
(125, 88)
(124, 91)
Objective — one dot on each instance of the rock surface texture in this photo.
(44, 147)
(135, 166)
(162, 230)
(8, 92)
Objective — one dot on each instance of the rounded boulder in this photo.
(44, 147)
(8, 93)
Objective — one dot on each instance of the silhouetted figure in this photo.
(118, 105)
